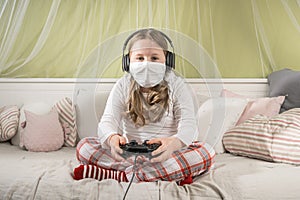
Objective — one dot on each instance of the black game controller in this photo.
(133, 148)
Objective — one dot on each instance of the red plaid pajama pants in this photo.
(193, 160)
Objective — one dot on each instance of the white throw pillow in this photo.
(215, 116)
(89, 108)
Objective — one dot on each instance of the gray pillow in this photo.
(286, 82)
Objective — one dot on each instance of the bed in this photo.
(30, 175)
(48, 175)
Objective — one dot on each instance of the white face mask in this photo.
(147, 74)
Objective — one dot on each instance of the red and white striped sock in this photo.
(95, 172)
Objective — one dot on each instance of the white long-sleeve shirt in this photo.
(179, 120)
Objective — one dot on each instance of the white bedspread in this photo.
(29, 175)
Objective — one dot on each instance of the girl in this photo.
(150, 102)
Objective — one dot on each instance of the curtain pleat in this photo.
(84, 39)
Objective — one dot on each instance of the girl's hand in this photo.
(114, 142)
(167, 147)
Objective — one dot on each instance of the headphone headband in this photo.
(170, 56)
(136, 32)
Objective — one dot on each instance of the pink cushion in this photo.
(39, 108)
(42, 132)
(268, 106)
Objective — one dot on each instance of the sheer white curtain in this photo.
(11, 16)
(263, 43)
(85, 38)
(292, 14)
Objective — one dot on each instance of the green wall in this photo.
(212, 38)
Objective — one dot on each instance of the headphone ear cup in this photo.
(170, 59)
(125, 63)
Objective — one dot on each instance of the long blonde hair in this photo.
(155, 104)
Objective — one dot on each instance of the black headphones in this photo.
(170, 56)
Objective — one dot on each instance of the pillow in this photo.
(268, 106)
(275, 139)
(215, 116)
(90, 107)
(42, 132)
(39, 108)
(286, 82)
(9, 119)
(67, 117)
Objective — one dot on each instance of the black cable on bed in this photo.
(133, 170)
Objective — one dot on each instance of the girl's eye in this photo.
(140, 58)
(154, 58)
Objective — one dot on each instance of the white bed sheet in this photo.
(30, 175)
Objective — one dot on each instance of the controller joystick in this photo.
(133, 143)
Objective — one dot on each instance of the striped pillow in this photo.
(9, 119)
(275, 139)
(67, 118)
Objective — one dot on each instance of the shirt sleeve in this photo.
(184, 112)
(110, 122)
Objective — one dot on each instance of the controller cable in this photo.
(131, 180)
